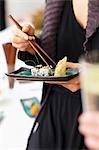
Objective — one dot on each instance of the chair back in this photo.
(10, 55)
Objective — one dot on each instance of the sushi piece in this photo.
(60, 69)
(34, 71)
(42, 71)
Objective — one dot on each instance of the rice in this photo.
(41, 71)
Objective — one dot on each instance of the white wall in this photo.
(19, 8)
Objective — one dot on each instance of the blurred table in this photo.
(16, 125)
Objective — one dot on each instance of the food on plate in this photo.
(60, 69)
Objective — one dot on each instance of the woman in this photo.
(67, 32)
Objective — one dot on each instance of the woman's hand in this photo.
(20, 38)
(89, 127)
(73, 84)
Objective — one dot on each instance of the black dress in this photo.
(56, 126)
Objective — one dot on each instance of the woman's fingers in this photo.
(89, 123)
(20, 38)
(90, 118)
(21, 34)
(75, 80)
(71, 87)
(72, 65)
(26, 33)
(92, 143)
(28, 29)
(19, 43)
(21, 46)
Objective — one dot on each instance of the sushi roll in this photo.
(44, 71)
(40, 70)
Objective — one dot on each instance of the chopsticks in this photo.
(34, 45)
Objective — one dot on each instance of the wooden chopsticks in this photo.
(34, 45)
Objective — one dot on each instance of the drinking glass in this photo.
(89, 76)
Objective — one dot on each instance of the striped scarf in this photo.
(52, 17)
(93, 17)
(93, 22)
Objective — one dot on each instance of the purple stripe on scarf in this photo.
(93, 17)
(52, 16)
